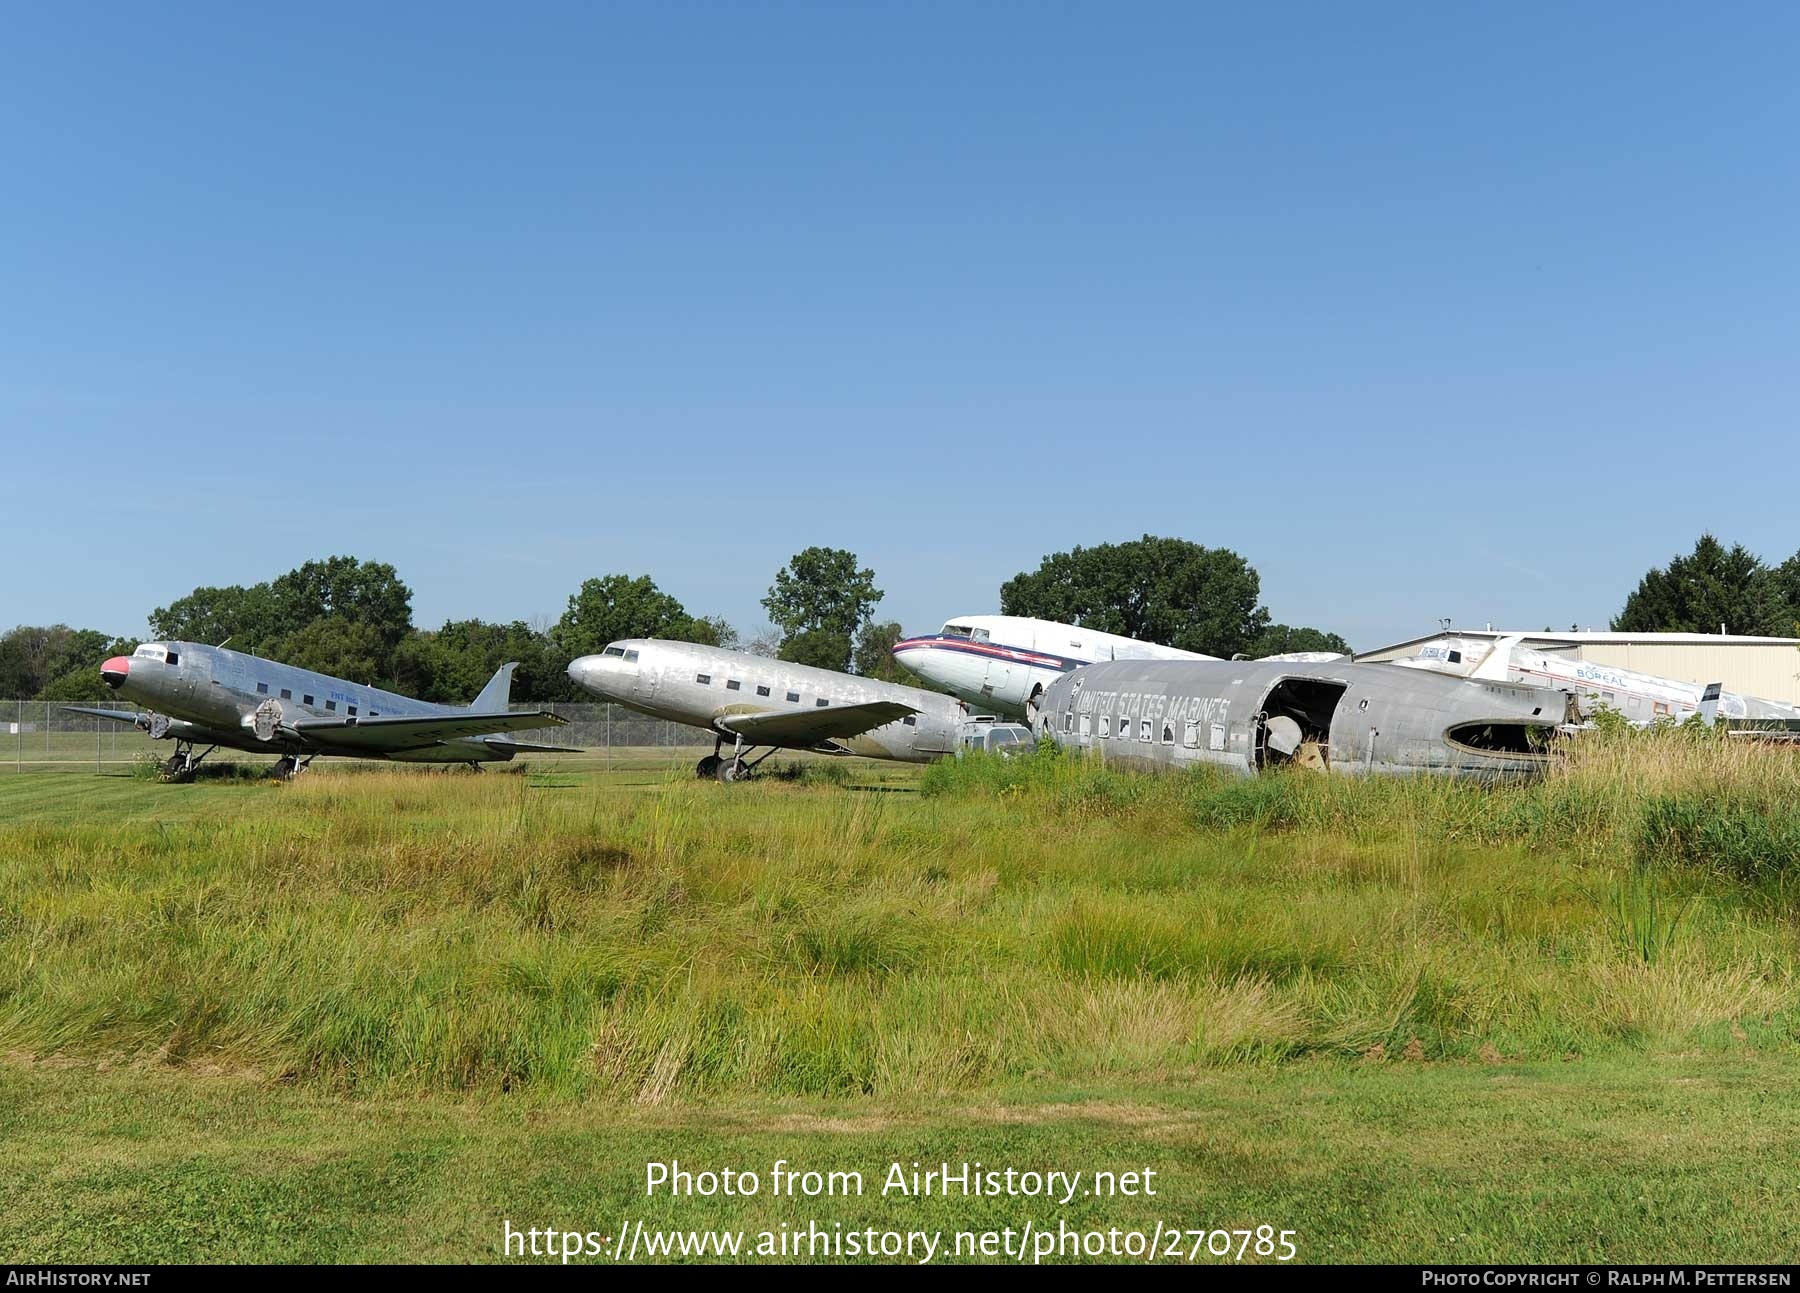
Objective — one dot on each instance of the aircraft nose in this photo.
(113, 672)
(585, 672)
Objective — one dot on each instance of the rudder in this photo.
(497, 695)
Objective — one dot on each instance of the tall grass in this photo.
(1021, 921)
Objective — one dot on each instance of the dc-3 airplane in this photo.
(753, 701)
(207, 695)
(1250, 715)
(1001, 662)
(1640, 697)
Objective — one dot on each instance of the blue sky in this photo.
(1430, 310)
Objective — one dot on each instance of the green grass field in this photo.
(374, 1013)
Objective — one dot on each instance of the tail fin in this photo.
(497, 695)
(1709, 703)
(1497, 663)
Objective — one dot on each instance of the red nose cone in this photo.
(114, 670)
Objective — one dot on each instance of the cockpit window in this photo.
(957, 631)
(171, 658)
(631, 657)
(149, 652)
(614, 650)
(979, 635)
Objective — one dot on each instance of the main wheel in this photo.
(731, 770)
(708, 767)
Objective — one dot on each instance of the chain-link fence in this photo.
(37, 735)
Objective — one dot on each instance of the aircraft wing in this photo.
(803, 728)
(407, 732)
(116, 715)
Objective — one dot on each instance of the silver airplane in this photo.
(1250, 715)
(754, 701)
(1000, 662)
(206, 695)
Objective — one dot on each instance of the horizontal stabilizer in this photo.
(523, 747)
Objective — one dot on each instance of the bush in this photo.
(1745, 841)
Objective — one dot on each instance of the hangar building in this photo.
(1766, 667)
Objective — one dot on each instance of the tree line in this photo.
(353, 618)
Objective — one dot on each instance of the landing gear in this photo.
(737, 767)
(708, 768)
(179, 768)
(289, 766)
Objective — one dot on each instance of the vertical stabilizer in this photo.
(497, 695)
(1496, 666)
(1709, 702)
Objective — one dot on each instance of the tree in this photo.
(821, 648)
(248, 617)
(618, 606)
(55, 662)
(368, 593)
(337, 645)
(1280, 639)
(275, 618)
(452, 664)
(873, 655)
(713, 631)
(822, 590)
(1171, 591)
(1787, 582)
(1711, 586)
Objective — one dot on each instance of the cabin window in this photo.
(1106, 725)
(374, 713)
(173, 658)
(1086, 722)
(1456, 657)
(306, 700)
(704, 679)
(1143, 729)
(762, 691)
(1190, 735)
(1168, 736)
(1068, 720)
(353, 709)
(820, 703)
(911, 720)
(732, 684)
(793, 698)
(262, 689)
(286, 694)
(331, 705)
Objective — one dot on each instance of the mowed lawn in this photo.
(377, 1014)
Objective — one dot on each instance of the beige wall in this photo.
(1772, 672)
